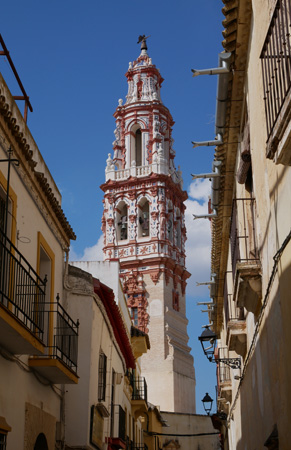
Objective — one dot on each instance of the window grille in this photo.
(102, 377)
(276, 63)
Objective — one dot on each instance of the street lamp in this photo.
(208, 336)
(207, 403)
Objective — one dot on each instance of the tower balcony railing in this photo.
(142, 171)
(22, 295)
(124, 174)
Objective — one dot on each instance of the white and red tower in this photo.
(144, 228)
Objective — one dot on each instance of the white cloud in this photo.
(200, 189)
(94, 253)
(198, 244)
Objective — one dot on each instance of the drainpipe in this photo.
(222, 93)
(217, 141)
(221, 96)
(212, 287)
(215, 184)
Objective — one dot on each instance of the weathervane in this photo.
(142, 39)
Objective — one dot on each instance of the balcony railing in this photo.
(242, 232)
(22, 291)
(223, 369)
(139, 388)
(142, 171)
(64, 344)
(276, 62)
(232, 311)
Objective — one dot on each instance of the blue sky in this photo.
(71, 57)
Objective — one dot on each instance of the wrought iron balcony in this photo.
(65, 336)
(233, 313)
(245, 258)
(243, 239)
(224, 389)
(223, 369)
(139, 389)
(276, 63)
(59, 364)
(22, 299)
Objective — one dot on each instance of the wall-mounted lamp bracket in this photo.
(233, 363)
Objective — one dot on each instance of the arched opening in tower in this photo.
(170, 224)
(138, 149)
(122, 222)
(144, 218)
(178, 229)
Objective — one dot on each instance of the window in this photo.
(276, 70)
(3, 441)
(244, 248)
(275, 59)
(134, 316)
(46, 265)
(45, 270)
(170, 227)
(102, 377)
(178, 229)
(112, 403)
(122, 424)
(4, 430)
(175, 300)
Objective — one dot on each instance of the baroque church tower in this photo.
(144, 228)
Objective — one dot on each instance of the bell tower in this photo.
(144, 228)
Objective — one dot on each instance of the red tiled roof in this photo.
(107, 297)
